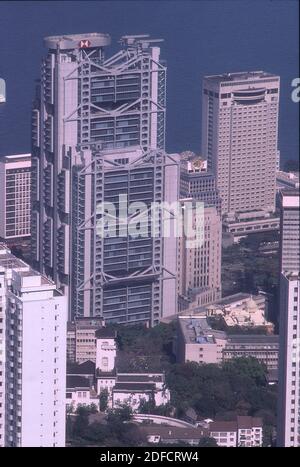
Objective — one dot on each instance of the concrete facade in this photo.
(289, 361)
(15, 195)
(289, 229)
(199, 267)
(33, 357)
(239, 138)
(197, 342)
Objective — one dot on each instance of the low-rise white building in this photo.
(244, 432)
(125, 388)
(120, 388)
(79, 393)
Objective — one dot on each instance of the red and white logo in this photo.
(84, 44)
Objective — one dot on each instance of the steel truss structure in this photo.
(92, 118)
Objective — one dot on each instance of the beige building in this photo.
(242, 310)
(197, 342)
(199, 267)
(239, 138)
(81, 340)
(264, 348)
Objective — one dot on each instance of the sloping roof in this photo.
(223, 425)
(174, 432)
(253, 339)
(133, 387)
(74, 382)
(106, 374)
(85, 368)
(140, 378)
(106, 333)
(249, 422)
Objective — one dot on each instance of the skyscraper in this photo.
(15, 188)
(239, 138)
(33, 317)
(288, 429)
(289, 230)
(199, 267)
(98, 132)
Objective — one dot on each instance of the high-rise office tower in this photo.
(288, 429)
(289, 230)
(239, 138)
(98, 132)
(15, 188)
(199, 267)
(33, 317)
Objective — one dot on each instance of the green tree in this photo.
(207, 442)
(120, 414)
(81, 422)
(103, 400)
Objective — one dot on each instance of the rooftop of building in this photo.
(235, 298)
(140, 377)
(253, 339)
(223, 425)
(290, 192)
(246, 422)
(106, 333)
(196, 330)
(243, 422)
(174, 432)
(11, 262)
(240, 76)
(106, 374)
(77, 382)
(292, 275)
(85, 368)
(133, 387)
(290, 198)
(77, 41)
(242, 310)
(289, 175)
(15, 158)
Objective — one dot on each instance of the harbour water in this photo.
(195, 44)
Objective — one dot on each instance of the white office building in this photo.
(289, 229)
(33, 357)
(289, 362)
(239, 138)
(288, 428)
(15, 188)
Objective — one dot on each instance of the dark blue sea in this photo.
(201, 37)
